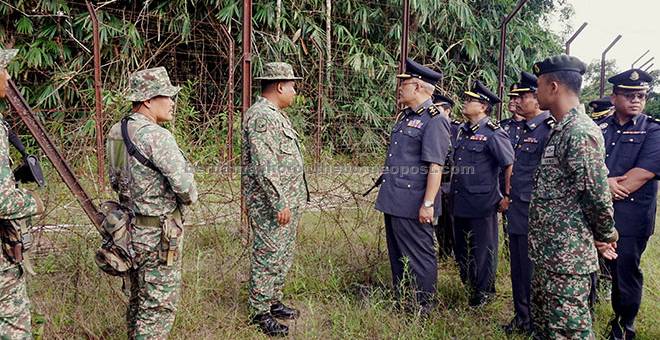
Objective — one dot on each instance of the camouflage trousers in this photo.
(154, 287)
(272, 255)
(14, 305)
(560, 305)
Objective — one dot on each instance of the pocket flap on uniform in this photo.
(631, 139)
(408, 184)
(412, 132)
(476, 147)
(479, 189)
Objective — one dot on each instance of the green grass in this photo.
(340, 281)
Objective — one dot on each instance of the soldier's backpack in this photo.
(116, 255)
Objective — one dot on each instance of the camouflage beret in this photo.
(150, 83)
(278, 71)
(6, 56)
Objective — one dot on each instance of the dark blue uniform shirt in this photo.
(480, 152)
(513, 128)
(528, 157)
(419, 137)
(449, 162)
(636, 144)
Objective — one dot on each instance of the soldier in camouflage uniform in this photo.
(570, 208)
(15, 204)
(157, 196)
(275, 192)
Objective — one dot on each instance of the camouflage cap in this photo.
(149, 83)
(6, 56)
(278, 71)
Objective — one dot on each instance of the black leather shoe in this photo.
(280, 311)
(480, 299)
(616, 331)
(269, 326)
(517, 327)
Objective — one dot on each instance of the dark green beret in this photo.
(559, 63)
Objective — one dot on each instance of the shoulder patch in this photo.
(492, 125)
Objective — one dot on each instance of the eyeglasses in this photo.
(631, 96)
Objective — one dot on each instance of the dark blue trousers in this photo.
(627, 279)
(411, 249)
(475, 249)
(521, 277)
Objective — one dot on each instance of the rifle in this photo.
(377, 183)
(18, 103)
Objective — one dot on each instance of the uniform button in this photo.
(613, 143)
(390, 155)
(396, 143)
(408, 185)
(632, 199)
(630, 140)
(459, 158)
(456, 191)
(400, 130)
(407, 120)
(383, 181)
(608, 155)
(618, 131)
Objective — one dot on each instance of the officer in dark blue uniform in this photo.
(632, 156)
(536, 129)
(444, 230)
(410, 192)
(482, 149)
(514, 127)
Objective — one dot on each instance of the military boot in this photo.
(281, 311)
(269, 326)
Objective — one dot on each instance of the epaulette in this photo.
(433, 110)
(551, 122)
(456, 122)
(653, 119)
(492, 125)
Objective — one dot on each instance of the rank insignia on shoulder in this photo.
(603, 126)
(551, 122)
(433, 110)
(415, 123)
(492, 125)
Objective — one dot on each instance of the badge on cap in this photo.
(634, 76)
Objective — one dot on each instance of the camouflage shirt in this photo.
(140, 188)
(15, 203)
(571, 204)
(273, 175)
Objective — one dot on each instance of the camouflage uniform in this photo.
(153, 196)
(14, 204)
(570, 207)
(273, 179)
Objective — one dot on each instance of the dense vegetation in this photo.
(459, 37)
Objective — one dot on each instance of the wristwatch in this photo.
(428, 204)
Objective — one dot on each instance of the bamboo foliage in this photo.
(359, 41)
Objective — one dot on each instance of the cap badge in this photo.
(634, 76)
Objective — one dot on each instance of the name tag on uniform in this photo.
(479, 138)
(415, 123)
(549, 151)
(531, 140)
(549, 161)
(633, 132)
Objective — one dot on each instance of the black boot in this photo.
(280, 311)
(480, 299)
(269, 326)
(516, 326)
